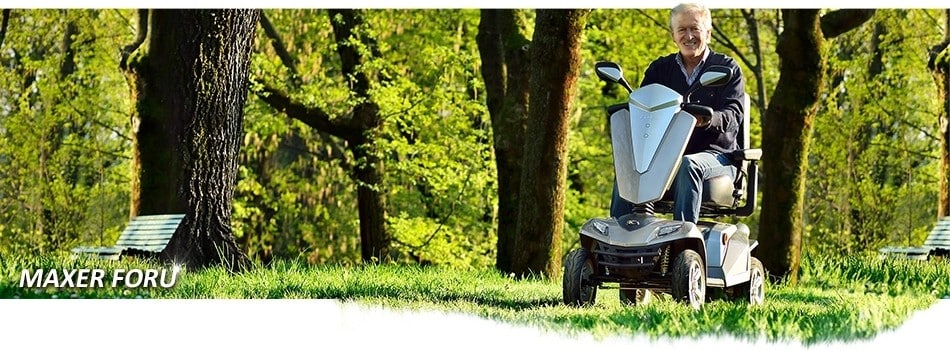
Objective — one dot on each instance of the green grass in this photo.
(837, 298)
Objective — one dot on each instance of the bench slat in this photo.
(152, 233)
(893, 249)
(160, 228)
(134, 243)
(937, 243)
(141, 244)
(93, 249)
(155, 226)
(149, 235)
(159, 217)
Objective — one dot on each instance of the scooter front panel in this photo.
(646, 186)
(652, 108)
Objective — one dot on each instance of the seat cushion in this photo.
(717, 192)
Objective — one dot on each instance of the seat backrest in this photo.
(722, 200)
(149, 233)
(743, 137)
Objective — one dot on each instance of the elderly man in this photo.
(690, 28)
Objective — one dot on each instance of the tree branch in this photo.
(839, 22)
(139, 39)
(655, 21)
(878, 104)
(919, 154)
(725, 41)
(344, 23)
(316, 118)
(3, 25)
(278, 44)
(119, 133)
(762, 100)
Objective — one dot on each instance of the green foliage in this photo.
(64, 145)
(872, 171)
(439, 172)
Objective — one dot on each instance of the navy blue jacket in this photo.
(726, 101)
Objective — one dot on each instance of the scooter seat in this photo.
(717, 194)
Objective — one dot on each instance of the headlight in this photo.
(602, 228)
(670, 229)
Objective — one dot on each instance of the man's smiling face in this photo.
(690, 34)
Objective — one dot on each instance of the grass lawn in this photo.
(836, 298)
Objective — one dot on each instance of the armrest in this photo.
(747, 155)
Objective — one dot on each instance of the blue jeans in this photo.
(687, 185)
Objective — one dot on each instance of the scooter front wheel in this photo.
(579, 290)
(689, 279)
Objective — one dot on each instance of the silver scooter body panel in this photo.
(728, 254)
(647, 232)
(728, 249)
(648, 141)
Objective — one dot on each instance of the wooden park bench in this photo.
(936, 244)
(144, 233)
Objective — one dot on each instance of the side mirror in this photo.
(611, 72)
(715, 76)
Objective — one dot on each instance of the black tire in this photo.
(635, 297)
(689, 279)
(753, 291)
(578, 289)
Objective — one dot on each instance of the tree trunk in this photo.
(556, 43)
(940, 67)
(4, 22)
(156, 78)
(371, 201)
(785, 140)
(786, 132)
(504, 53)
(374, 239)
(191, 87)
(359, 130)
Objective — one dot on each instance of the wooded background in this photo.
(404, 134)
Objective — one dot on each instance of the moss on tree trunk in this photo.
(556, 44)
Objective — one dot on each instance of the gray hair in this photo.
(693, 7)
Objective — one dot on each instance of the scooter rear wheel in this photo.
(635, 297)
(689, 279)
(753, 291)
(577, 287)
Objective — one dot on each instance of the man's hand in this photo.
(702, 121)
(702, 113)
